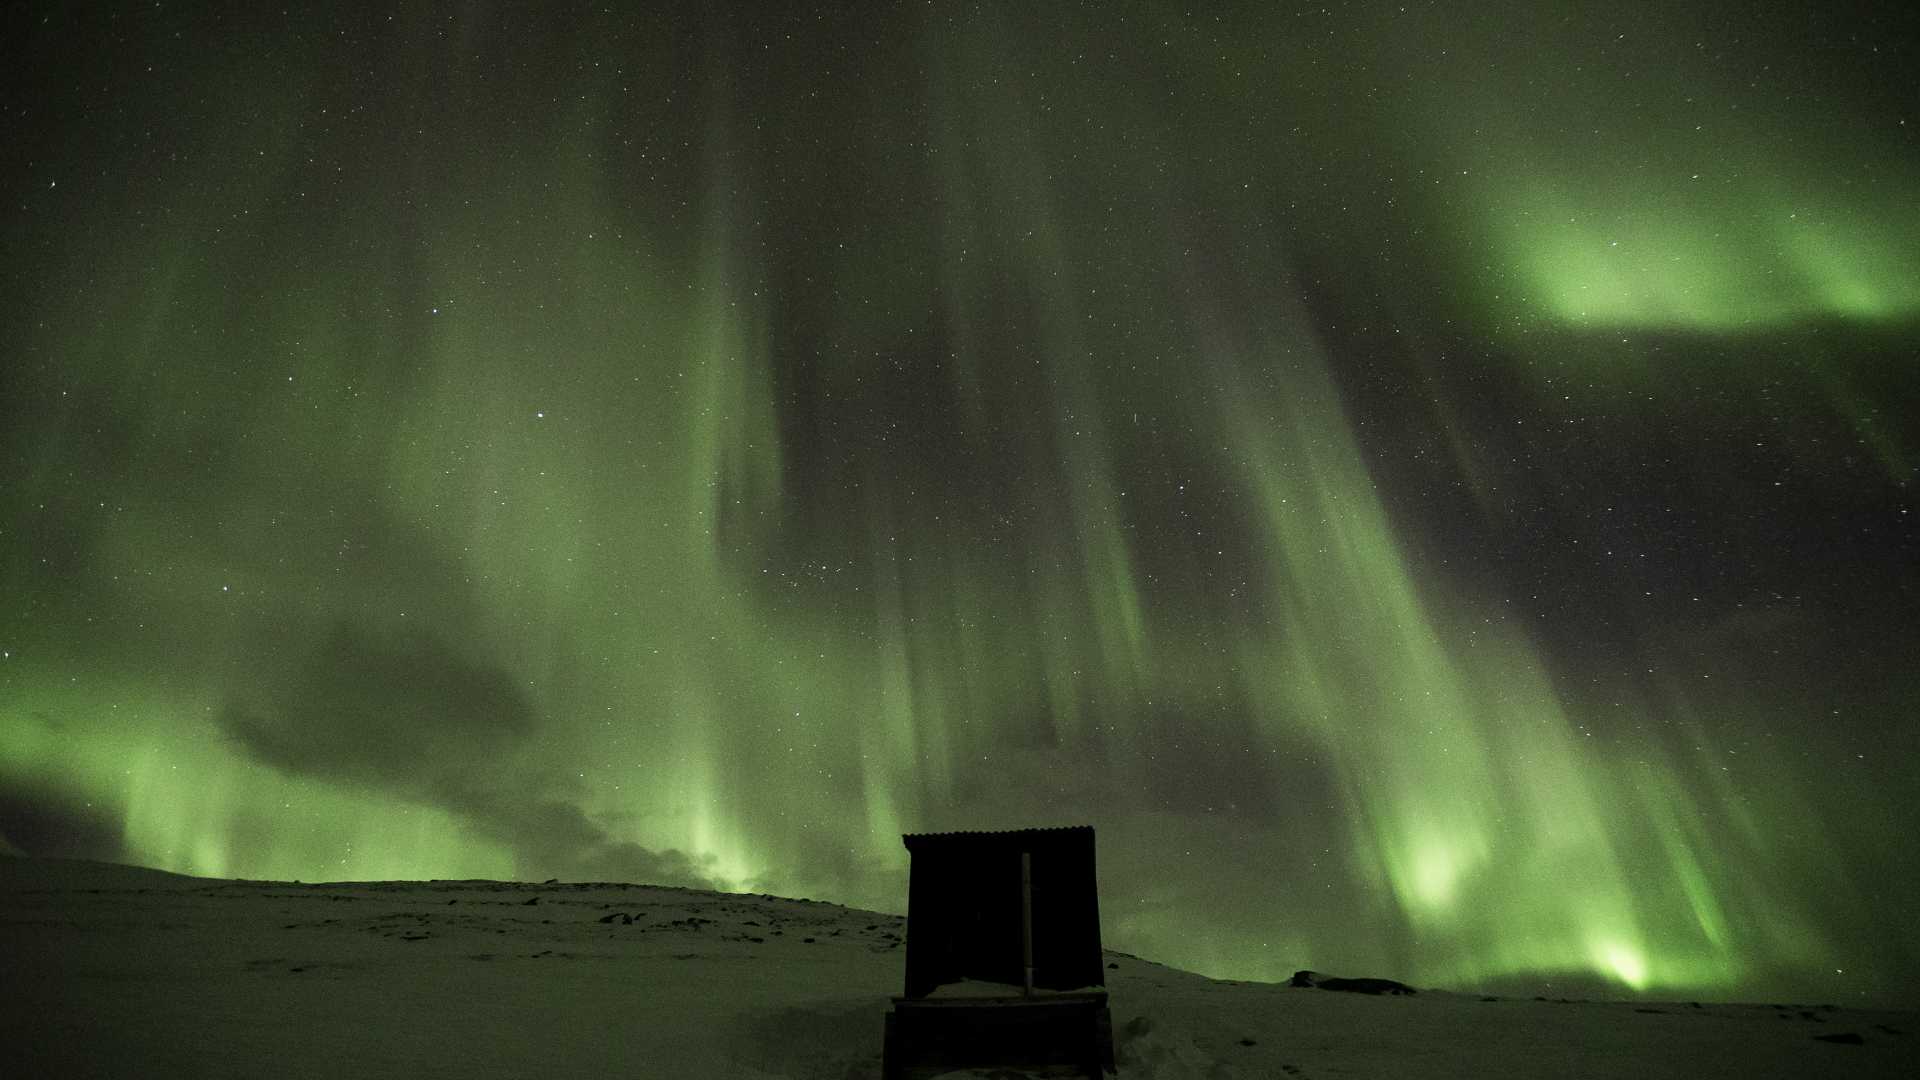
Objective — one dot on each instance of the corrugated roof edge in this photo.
(908, 837)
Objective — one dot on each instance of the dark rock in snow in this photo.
(1352, 986)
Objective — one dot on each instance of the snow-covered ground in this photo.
(122, 971)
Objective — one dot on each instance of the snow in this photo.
(123, 971)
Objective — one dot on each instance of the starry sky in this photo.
(1432, 484)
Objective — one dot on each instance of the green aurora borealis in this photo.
(1434, 487)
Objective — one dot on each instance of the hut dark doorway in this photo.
(1003, 953)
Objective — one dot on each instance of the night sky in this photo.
(1434, 485)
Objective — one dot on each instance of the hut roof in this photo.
(1056, 832)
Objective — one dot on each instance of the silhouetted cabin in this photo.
(977, 900)
(1017, 908)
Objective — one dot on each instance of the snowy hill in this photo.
(123, 971)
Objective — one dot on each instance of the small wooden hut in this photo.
(1003, 953)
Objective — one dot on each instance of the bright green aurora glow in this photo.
(1440, 510)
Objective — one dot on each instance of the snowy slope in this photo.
(121, 971)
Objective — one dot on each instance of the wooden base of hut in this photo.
(1068, 1030)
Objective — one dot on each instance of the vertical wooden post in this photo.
(1026, 916)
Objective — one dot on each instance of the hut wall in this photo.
(964, 910)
